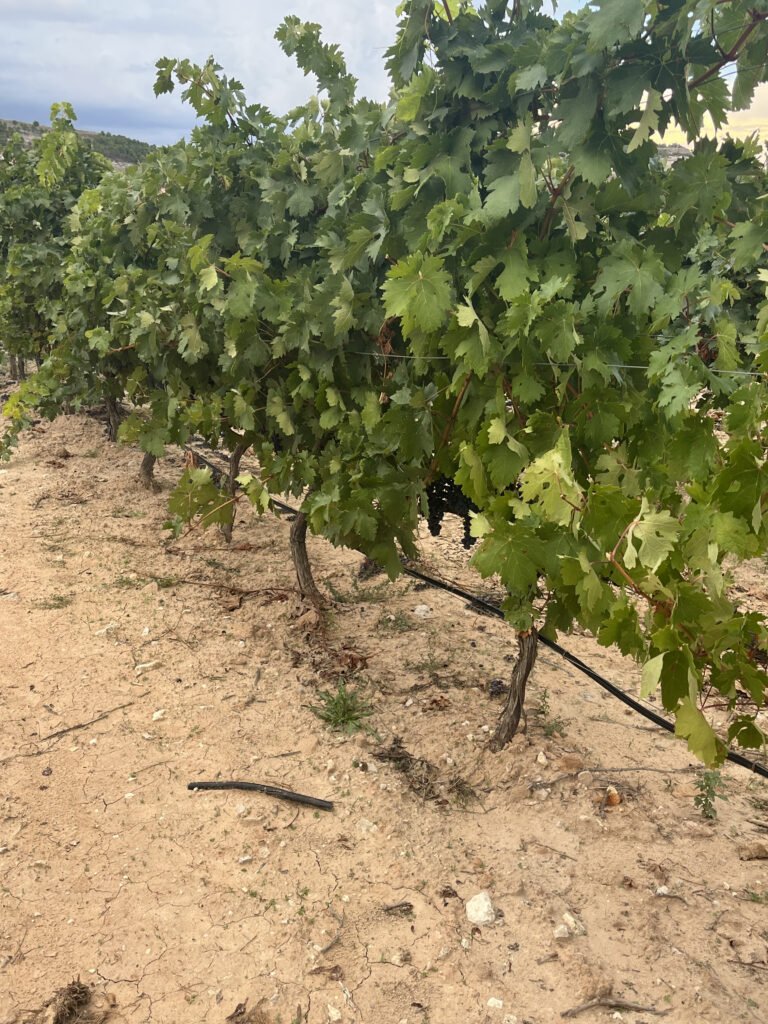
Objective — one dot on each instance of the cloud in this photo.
(101, 57)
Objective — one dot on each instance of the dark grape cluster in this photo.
(443, 495)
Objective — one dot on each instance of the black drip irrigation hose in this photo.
(606, 684)
(492, 609)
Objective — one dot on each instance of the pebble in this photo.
(480, 909)
(245, 860)
(561, 933)
(158, 715)
(495, 1004)
(334, 1014)
(753, 851)
(364, 825)
(573, 924)
(541, 758)
(422, 610)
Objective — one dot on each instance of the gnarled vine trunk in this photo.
(114, 417)
(509, 720)
(307, 586)
(17, 367)
(147, 472)
(234, 471)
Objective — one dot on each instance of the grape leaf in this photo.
(418, 290)
(691, 724)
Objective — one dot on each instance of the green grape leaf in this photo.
(649, 122)
(549, 485)
(503, 197)
(418, 290)
(209, 278)
(651, 675)
(656, 533)
(528, 194)
(703, 742)
(615, 21)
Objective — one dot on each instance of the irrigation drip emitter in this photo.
(492, 609)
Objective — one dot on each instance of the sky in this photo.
(100, 56)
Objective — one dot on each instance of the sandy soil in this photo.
(127, 670)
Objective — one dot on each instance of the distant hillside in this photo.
(117, 148)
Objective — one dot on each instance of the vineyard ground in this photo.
(178, 906)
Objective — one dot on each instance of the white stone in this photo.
(422, 610)
(561, 933)
(364, 825)
(480, 909)
(245, 860)
(334, 1014)
(541, 758)
(573, 924)
(158, 715)
(495, 1004)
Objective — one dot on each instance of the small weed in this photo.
(373, 594)
(56, 601)
(216, 563)
(127, 513)
(755, 897)
(543, 711)
(709, 785)
(165, 582)
(128, 582)
(430, 665)
(394, 622)
(343, 710)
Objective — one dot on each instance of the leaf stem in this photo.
(733, 53)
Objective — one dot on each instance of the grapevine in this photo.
(488, 296)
